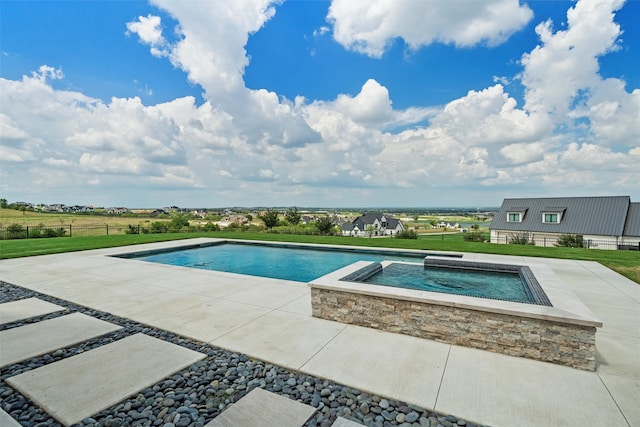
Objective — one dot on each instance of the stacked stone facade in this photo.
(561, 343)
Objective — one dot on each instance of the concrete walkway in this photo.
(271, 320)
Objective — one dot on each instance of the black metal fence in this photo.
(44, 231)
(553, 242)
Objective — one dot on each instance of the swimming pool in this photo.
(287, 262)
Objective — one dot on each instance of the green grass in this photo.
(626, 263)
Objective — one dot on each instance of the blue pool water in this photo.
(476, 283)
(298, 264)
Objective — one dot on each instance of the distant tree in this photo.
(4, 204)
(270, 218)
(249, 217)
(293, 216)
(179, 220)
(475, 227)
(370, 230)
(415, 218)
(325, 225)
(433, 223)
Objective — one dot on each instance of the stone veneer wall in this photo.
(560, 343)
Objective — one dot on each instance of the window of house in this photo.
(514, 217)
(550, 218)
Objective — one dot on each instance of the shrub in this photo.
(407, 234)
(570, 241)
(16, 231)
(474, 236)
(132, 229)
(158, 227)
(520, 239)
(209, 226)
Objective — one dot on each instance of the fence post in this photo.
(107, 225)
(70, 234)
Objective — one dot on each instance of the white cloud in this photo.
(371, 106)
(254, 146)
(369, 27)
(149, 29)
(566, 62)
(490, 116)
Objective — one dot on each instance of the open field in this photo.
(626, 263)
(12, 216)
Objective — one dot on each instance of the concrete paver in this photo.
(618, 355)
(7, 420)
(211, 319)
(405, 367)
(77, 387)
(262, 408)
(626, 392)
(343, 422)
(504, 390)
(35, 339)
(26, 308)
(287, 339)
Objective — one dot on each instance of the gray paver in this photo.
(35, 339)
(264, 409)
(26, 308)
(75, 388)
(7, 420)
(343, 422)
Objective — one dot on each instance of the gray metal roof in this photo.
(603, 216)
(632, 227)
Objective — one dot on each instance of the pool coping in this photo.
(566, 307)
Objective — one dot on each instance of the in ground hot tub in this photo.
(553, 325)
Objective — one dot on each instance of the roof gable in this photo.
(632, 226)
(604, 216)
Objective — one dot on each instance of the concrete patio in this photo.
(271, 320)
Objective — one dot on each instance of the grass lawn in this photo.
(626, 263)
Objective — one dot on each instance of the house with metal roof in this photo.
(373, 223)
(611, 222)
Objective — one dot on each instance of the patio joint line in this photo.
(594, 273)
(614, 400)
(323, 347)
(444, 372)
(240, 326)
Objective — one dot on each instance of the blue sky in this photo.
(317, 103)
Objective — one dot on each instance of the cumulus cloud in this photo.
(267, 149)
(149, 29)
(371, 106)
(566, 61)
(370, 27)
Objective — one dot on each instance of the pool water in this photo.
(297, 264)
(485, 284)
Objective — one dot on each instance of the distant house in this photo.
(376, 224)
(602, 222)
(118, 211)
